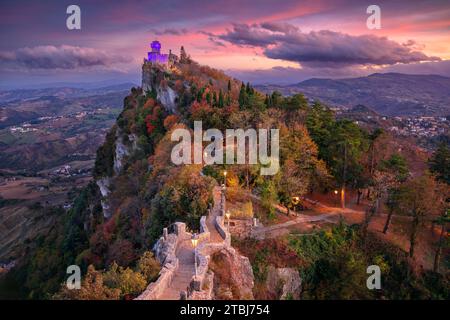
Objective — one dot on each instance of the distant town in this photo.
(422, 126)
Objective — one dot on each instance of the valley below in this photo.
(48, 143)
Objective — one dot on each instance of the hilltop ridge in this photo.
(391, 94)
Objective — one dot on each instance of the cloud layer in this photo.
(59, 57)
(322, 48)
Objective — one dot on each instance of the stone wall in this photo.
(220, 226)
(156, 289)
(204, 235)
(165, 252)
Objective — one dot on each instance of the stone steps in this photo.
(182, 276)
(185, 254)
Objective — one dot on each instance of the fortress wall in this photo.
(165, 252)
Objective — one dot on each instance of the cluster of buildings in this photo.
(422, 126)
(25, 127)
(28, 127)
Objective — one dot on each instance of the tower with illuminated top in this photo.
(155, 55)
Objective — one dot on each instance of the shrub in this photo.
(148, 266)
(129, 282)
(92, 288)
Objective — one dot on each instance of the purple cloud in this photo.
(169, 31)
(59, 57)
(322, 48)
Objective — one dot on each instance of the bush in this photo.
(129, 282)
(92, 288)
(148, 266)
(245, 213)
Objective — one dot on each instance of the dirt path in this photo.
(264, 232)
(398, 232)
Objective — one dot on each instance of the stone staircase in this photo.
(179, 269)
(184, 273)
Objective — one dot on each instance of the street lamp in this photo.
(225, 178)
(227, 215)
(295, 201)
(194, 241)
(335, 198)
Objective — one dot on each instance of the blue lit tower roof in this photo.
(155, 55)
(156, 46)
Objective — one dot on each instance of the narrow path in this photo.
(327, 214)
(185, 254)
(261, 232)
(184, 273)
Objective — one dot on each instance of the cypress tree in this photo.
(220, 99)
(242, 96)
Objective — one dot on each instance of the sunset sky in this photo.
(260, 41)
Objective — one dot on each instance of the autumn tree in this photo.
(418, 198)
(92, 288)
(127, 281)
(299, 163)
(397, 169)
(148, 266)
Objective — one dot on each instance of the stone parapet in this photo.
(165, 252)
(220, 226)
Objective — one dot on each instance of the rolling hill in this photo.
(391, 94)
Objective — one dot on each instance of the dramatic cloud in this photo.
(59, 57)
(169, 31)
(289, 75)
(322, 48)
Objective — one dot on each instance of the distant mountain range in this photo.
(391, 94)
(69, 91)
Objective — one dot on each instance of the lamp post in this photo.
(225, 178)
(335, 197)
(227, 215)
(295, 201)
(194, 241)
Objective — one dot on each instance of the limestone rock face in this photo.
(167, 96)
(233, 275)
(153, 78)
(284, 283)
(122, 150)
